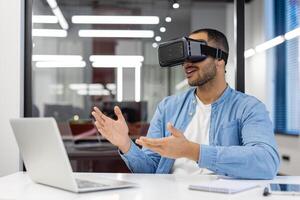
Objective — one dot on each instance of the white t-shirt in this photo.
(196, 131)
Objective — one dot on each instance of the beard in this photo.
(204, 76)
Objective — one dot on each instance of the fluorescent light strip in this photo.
(181, 84)
(49, 33)
(116, 58)
(116, 65)
(137, 83)
(116, 33)
(93, 92)
(57, 12)
(273, 42)
(248, 53)
(61, 19)
(52, 3)
(292, 34)
(56, 58)
(119, 84)
(269, 44)
(55, 64)
(44, 19)
(94, 19)
(84, 86)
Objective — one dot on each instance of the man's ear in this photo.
(220, 63)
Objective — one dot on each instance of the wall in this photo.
(11, 63)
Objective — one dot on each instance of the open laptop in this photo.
(85, 134)
(46, 159)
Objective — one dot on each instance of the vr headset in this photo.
(176, 52)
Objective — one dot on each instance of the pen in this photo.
(266, 192)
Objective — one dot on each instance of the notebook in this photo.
(224, 186)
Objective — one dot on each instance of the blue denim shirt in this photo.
(241, 137)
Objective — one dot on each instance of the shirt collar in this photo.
(220, 100)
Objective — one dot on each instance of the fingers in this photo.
(175, 132)
(118, 112)
(151, 141)
(154, 148)
(98, 117)
(104, 117)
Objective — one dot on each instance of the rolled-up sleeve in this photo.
(144, 160)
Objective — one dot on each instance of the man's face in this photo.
(200, 73)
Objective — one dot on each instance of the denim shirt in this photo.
(241, 137)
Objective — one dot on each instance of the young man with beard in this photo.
(209, 128)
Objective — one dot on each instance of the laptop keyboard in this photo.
(88, 184)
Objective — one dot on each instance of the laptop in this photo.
(85, 135)
(46, 160)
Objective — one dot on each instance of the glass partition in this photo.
(104, 53)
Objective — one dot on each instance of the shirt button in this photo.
(194, 101)
(191, 113)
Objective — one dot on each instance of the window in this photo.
(287, 101)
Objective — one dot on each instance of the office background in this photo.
(65, 93)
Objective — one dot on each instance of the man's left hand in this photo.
(174, 146)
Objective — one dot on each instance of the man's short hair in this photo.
(216, 36)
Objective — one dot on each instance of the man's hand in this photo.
(115, 131)
(174, 146)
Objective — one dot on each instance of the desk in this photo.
(151, 187)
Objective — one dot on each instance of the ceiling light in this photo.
(61, 19)
(154, 45)
(248, 53)
(93, 92)
(168, 19)
(52, 3)
(57, 12)
(78, 86)
(157, 38)
(84, 86)
(111, 86)
(56, 58)
(49, 33)
(162, 29)
(175, 5)
(117, 33)
(182, 84)
(44, 19)
(55, 64)
(94, 19)
(116, 65)
(269, 44)
(116, 58)
(292, 34)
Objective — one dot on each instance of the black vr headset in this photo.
(176, 52)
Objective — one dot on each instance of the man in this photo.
(209, 127)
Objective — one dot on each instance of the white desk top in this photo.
(166, 187)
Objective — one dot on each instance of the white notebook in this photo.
(224, 186)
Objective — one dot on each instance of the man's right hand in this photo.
(115, 131)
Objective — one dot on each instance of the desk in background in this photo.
(100, 159)
(151, 187)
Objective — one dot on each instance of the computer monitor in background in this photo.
(62, 113)
(132, 111)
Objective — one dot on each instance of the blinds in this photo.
(292, 69)
(287, 98)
